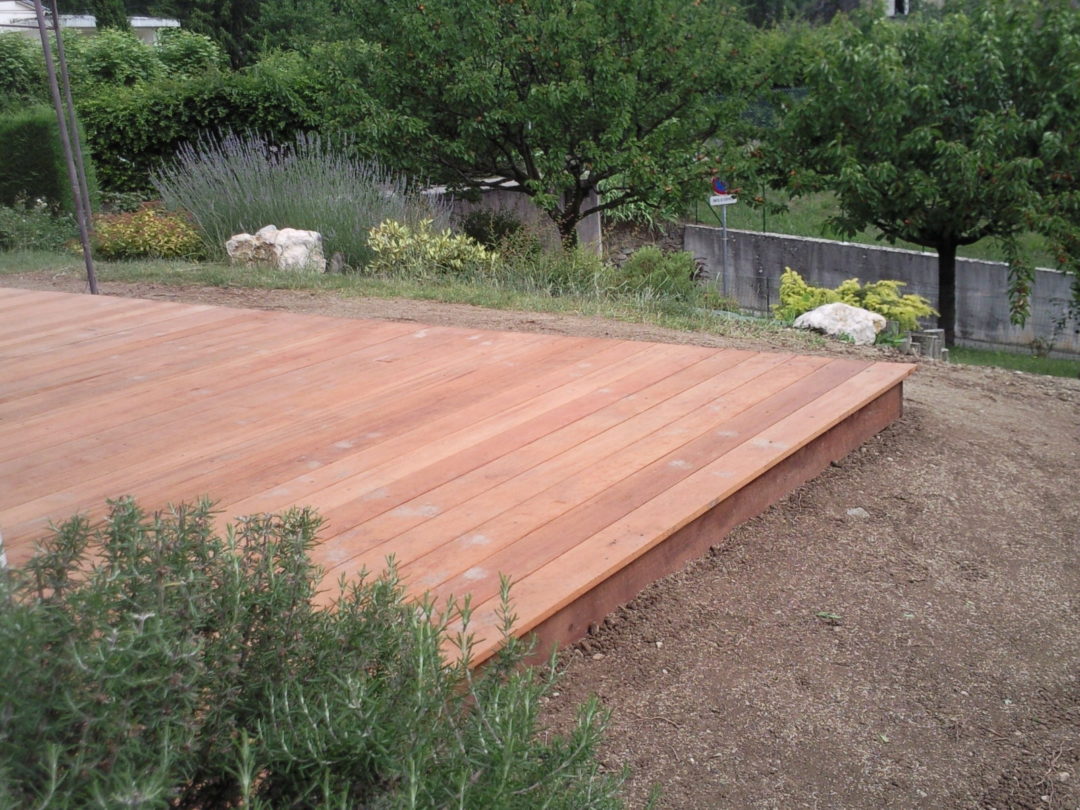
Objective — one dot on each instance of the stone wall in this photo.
(755, 262)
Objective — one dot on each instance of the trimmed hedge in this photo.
(134, 130)
(32, 164)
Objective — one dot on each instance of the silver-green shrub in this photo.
(237, 184)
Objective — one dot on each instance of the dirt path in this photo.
(924, 652)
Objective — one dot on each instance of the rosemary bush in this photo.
(237, 184)
(153, 663)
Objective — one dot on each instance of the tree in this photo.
(110, 14)
(556, 99)
(230, 23)
(944, 131)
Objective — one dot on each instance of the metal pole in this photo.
(723, 220)
(81, 214)
(76, 139)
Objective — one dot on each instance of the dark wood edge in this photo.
(571, 623)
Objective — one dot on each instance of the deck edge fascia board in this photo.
(571, 622)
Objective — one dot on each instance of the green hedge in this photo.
(32, 164)
(134, 129)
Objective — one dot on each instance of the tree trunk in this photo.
(566, 223)
(947, 290)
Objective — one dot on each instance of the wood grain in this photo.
(578, 467)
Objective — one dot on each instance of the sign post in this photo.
(722, 198)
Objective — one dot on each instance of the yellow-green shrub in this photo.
(419, 250)
(882, 297)
(150, 232)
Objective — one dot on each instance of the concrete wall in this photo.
(756, 260)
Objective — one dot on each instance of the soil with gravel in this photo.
(901, 632)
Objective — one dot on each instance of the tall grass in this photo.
(232, 184)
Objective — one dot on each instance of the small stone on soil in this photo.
(858, 512)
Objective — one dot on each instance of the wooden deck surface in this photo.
(558, 461)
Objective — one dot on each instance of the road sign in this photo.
(719, 186)
(723, 199)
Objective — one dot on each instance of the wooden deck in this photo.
(583, 468)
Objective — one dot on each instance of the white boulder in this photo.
(861, 325)
(284, 249)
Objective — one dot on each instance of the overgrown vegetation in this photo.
(34, 226)
(237, 184)
(183, 668)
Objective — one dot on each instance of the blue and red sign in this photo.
(719, 186)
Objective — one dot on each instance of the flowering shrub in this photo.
(882, 297)
(149, 232)
(420, 250)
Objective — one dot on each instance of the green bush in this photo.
(183, 668)
(25, 226)
(147, 233)
(22, 73)
(417, 251)
(882, 297)
(137, 130)
(109, 57)
(235, 185)
(32, 164)
(185, 53)
(649, 271)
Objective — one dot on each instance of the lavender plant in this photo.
(233, 184)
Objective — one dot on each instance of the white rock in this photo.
(300, 250)
(285, 249)
(861, 325)
(858, 512)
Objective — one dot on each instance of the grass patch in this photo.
(1017, 361)
(526, 293)
(807, 216)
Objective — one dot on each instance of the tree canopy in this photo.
(557, 100)
(945, 131)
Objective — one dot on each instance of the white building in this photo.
(19, 15)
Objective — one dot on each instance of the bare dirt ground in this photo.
(922, 653)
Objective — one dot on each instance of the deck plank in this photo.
(564, 463)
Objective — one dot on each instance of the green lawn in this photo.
(806, 216)
(490, 294)
(670, 314)
(1056, 367)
